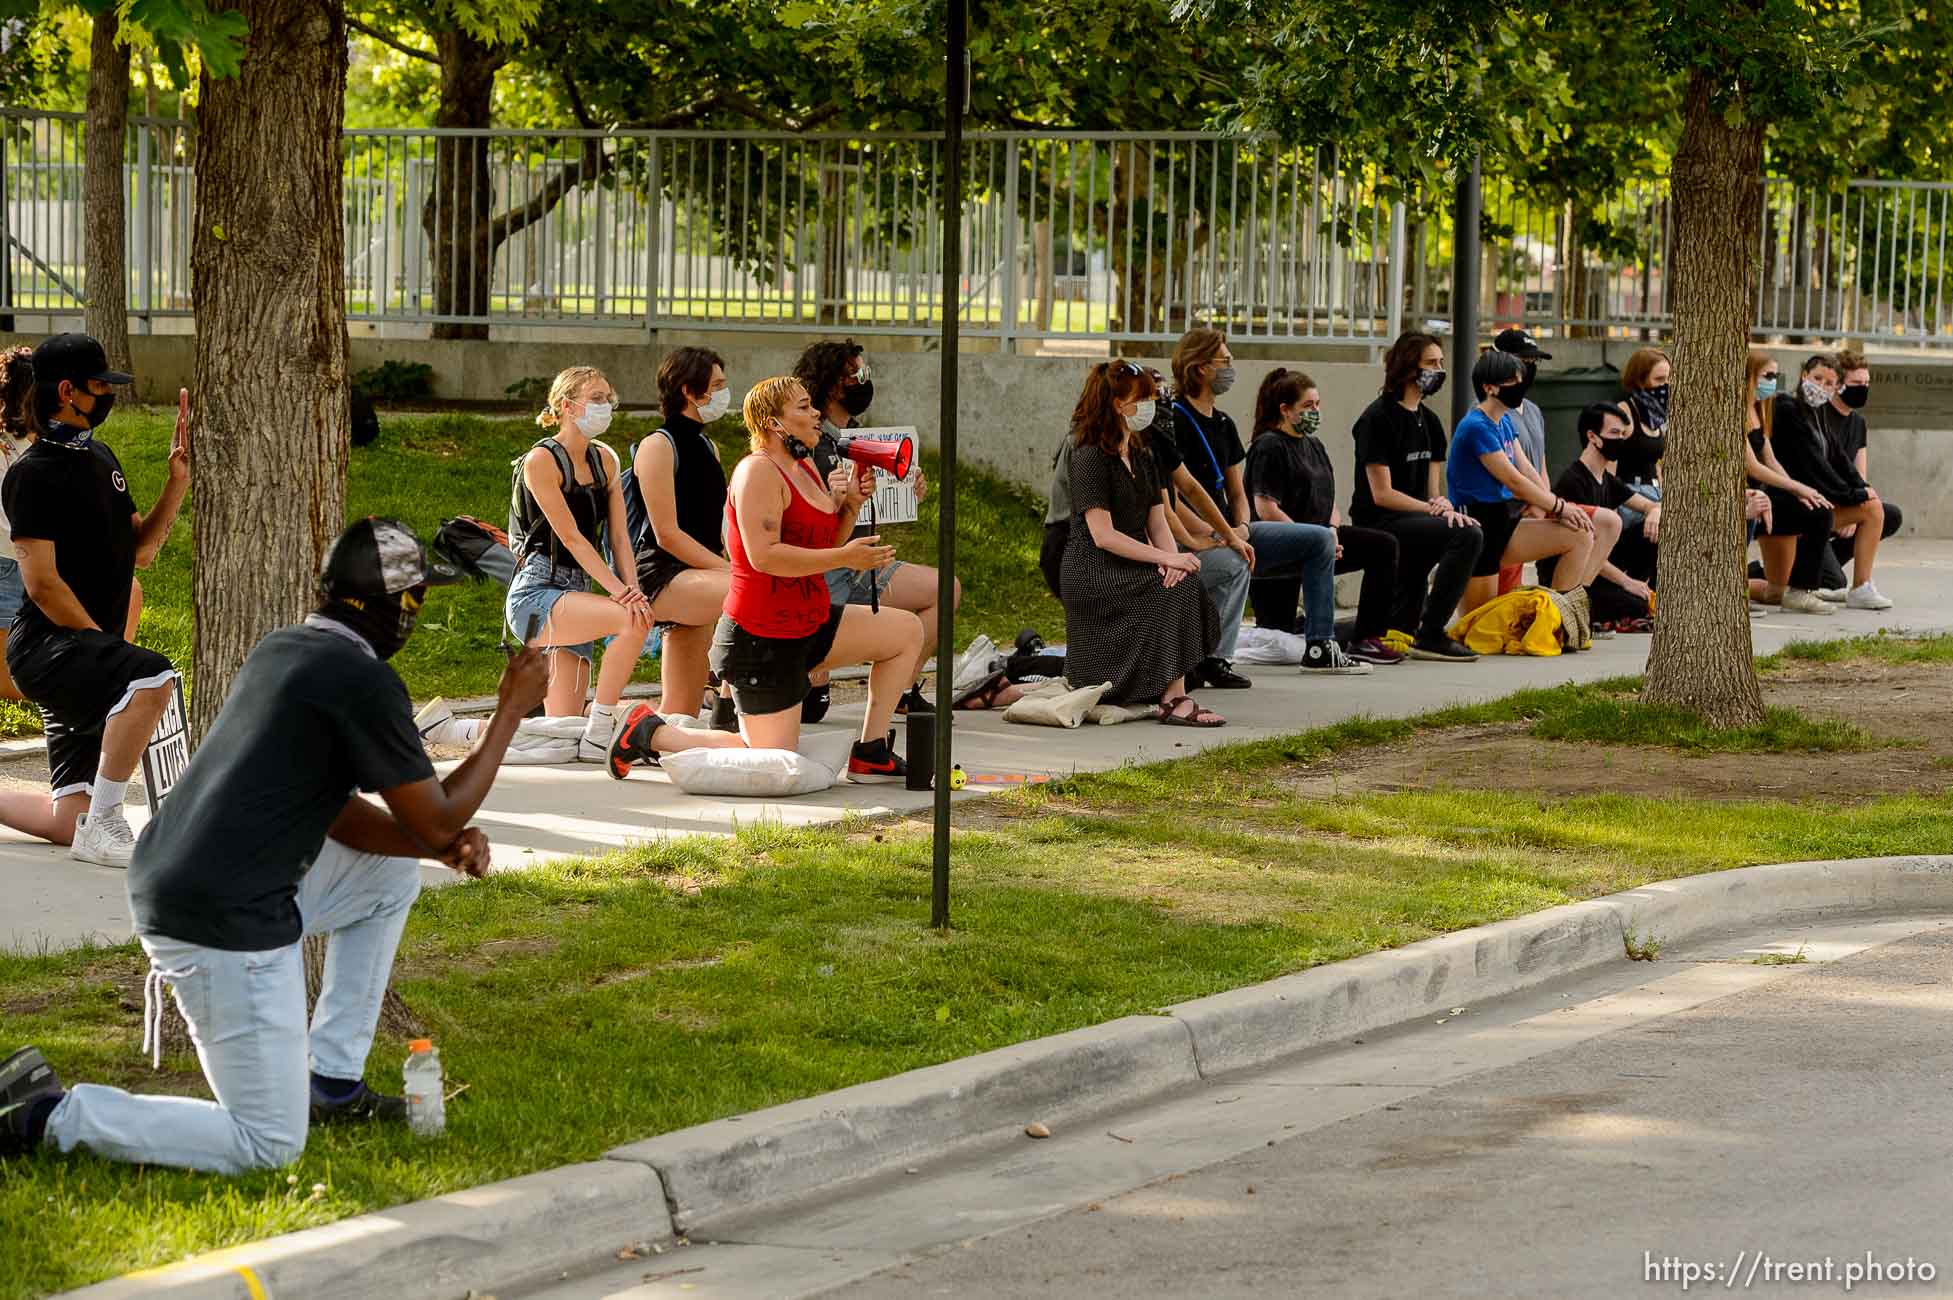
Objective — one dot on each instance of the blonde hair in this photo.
(1752, 375)
(765, 401)
(1196, 348)
(567, 382)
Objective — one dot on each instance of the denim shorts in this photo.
(12, 592)
(535, 592)
(850, 586)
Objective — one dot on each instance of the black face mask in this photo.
(1429, 382)
(1525, 384)
(1652, 406)
(1511, 395)
(856, 400)
(384, 621)
(1855, 395)
(1611, 448)
(98, 414)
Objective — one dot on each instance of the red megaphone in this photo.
(890, 457)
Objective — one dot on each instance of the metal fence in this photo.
(1066, 235)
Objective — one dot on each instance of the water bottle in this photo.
(426, 1104)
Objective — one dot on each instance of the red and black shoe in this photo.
(633, 743)
(873, 760)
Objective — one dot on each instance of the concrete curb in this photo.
(699, 1179)
(787, 1153)
(516, 1233)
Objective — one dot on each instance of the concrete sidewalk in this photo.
(537, 813)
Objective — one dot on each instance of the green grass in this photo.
(428, 468)
(592, 1002)
(1880, 648)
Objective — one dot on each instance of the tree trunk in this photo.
(1701, 659)
(458, 215)
(106, 315)
(269, 465)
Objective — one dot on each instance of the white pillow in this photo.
(748, 773)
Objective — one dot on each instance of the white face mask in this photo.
(715, 406)
(1143, 417)
(594, 420)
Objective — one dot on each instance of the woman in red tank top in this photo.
(785, 528)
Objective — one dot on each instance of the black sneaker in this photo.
(814, 707)
(1328, 658)
(1440, 648)
(26, 1079)
(1219, 674)
(633, 742)
(914, 701)
(1028, 641)
(363, 1104)
(875, 760)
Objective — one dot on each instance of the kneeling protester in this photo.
(265, 841)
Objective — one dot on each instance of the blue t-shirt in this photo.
(1470, 482)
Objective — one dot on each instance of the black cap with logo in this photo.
(76, 358)
(1520, 344)
(377, 558)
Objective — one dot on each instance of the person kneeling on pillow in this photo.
(264, 841)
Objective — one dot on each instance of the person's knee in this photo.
(265, 1150)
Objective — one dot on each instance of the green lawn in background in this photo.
(426, 468)
(592, 1002)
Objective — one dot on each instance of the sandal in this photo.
(1173, 715)
(984, 694)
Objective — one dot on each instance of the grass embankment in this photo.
(591, 1002)
(428, 468)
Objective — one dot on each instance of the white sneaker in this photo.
(1866, 596)
(589, 751)
(1831, 595)
(1327, 657)
(1798, 601)
(105, 840)
(432, 719)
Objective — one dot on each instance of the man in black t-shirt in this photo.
(265, 840)
(1622, 593)
(80, 538)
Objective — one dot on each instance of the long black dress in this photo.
(1123, 625)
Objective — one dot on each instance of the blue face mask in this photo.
(1766, 389)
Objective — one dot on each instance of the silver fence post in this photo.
(653, 233)
(1010, 249)
(1398, 231)
(138, 218)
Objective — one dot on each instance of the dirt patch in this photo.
(1905, 702)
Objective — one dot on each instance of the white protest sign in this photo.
(168, 752)
(894, 500)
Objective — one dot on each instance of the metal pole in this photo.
(1397, 268)
(1464, 290)
(6, 243)
(953, 109)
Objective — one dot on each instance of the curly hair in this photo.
(16, 387)
(822, 368)
(1095, 421)
(682, 373)
(764, 402)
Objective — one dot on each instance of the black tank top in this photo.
(698, 483)
(587, 506)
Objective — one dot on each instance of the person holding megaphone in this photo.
(836, 377)
(786, 528)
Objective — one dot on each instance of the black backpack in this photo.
(637, 520)
(524, 518)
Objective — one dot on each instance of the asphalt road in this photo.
(1622, 1133)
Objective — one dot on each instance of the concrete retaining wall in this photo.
(1015, 408)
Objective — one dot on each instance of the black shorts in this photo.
(79, 679)
(1498, 520)
(655, 570)
(769, 673)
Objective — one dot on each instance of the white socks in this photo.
(106, 797)
(602, 726)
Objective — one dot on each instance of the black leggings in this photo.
(1839, 553)
(1051, 556)
(1370, 550)
(1790, 517)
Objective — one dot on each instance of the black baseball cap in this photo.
(1520, 344)
(380, 557)
(76, 358)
